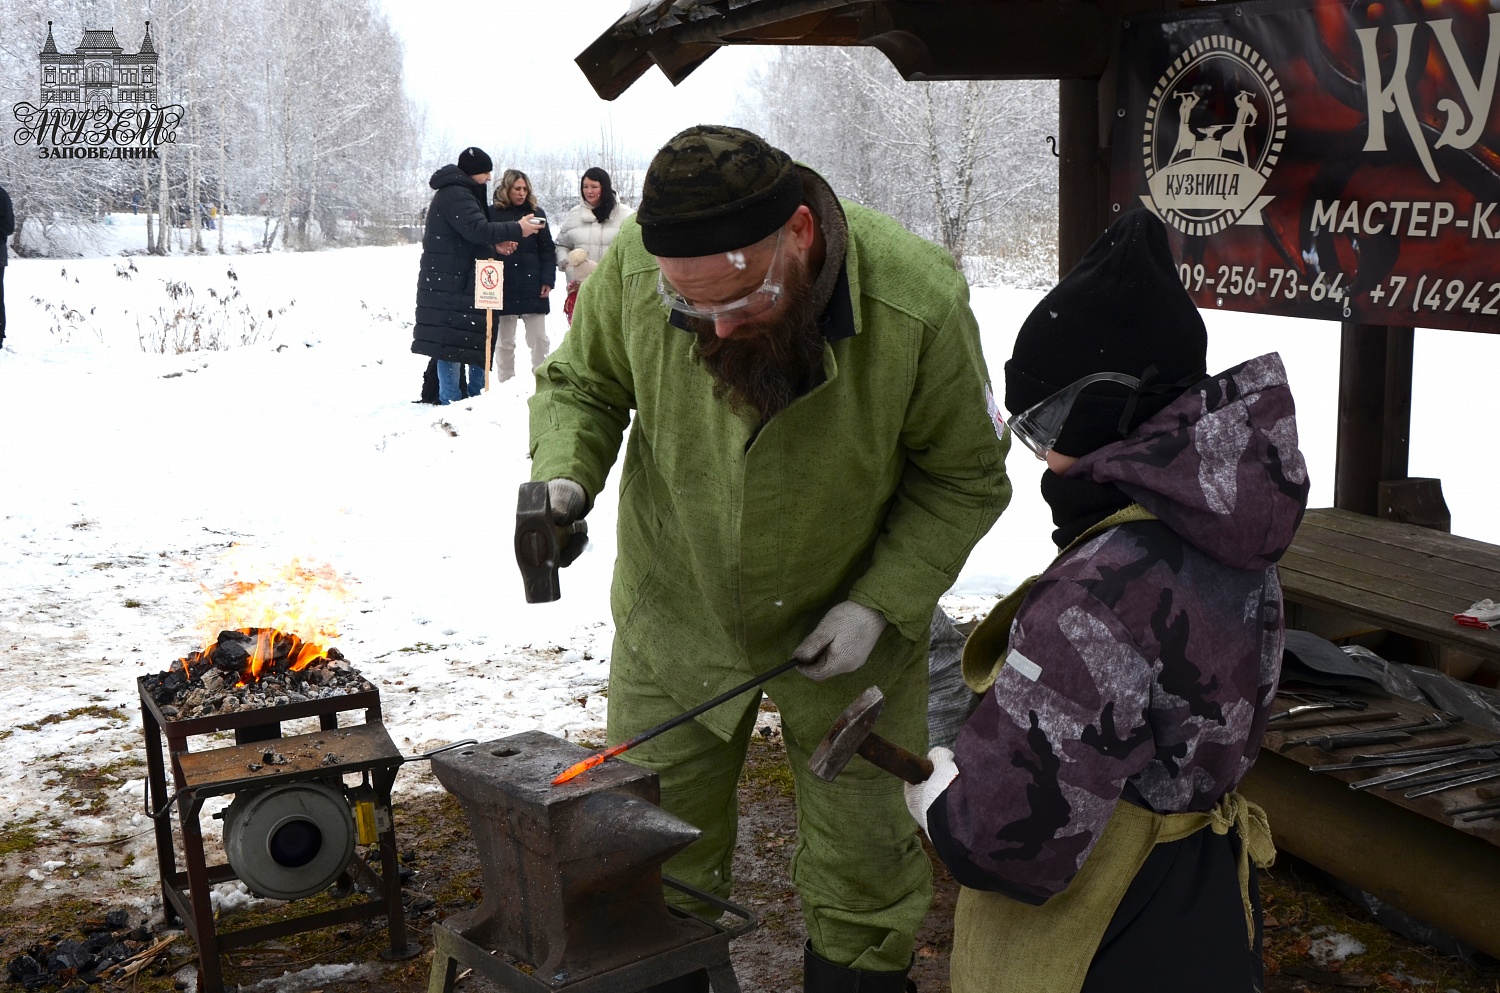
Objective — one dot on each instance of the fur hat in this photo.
(714, 189)
(1122, 309)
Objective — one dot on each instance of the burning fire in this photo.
(303, 605)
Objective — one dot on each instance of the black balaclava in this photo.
(1121, 309)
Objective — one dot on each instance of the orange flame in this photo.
(306, 601)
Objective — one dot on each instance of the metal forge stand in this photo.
(572, 878)
(364, 749)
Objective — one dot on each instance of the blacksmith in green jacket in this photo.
(814, 453)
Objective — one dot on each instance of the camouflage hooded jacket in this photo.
(1148, 655)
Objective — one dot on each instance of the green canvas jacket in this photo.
(873, 487)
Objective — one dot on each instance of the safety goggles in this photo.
(746, 308)
(1039, 426)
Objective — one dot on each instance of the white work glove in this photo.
(1484, 614)
(566, 499)
(841, 642)
(920, 798)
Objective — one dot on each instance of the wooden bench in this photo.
(1382, 575)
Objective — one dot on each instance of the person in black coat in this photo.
(8, 228)
(459, 231)
(530, 272)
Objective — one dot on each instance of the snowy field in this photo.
(137, 482)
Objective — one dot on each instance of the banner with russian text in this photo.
(1331, 160)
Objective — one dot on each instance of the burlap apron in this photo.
(1001, 945)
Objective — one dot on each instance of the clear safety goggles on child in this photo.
(746, 308)
(1039, 426)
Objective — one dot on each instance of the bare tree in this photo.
(962, 163)
(291, 109)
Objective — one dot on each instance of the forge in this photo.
(309, 810)
(572, 877)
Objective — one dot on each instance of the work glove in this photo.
(1484, 614)
(566, 500)
(841, 642)
(921, 797)
(568, 503)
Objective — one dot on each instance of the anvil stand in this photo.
(709, 953)
(365, 749)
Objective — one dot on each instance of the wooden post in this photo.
(1374, 428)
(489, 339)
(1082, 172)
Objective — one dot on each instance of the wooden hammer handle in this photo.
(894, 759)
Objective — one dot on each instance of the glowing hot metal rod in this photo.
(599, 758)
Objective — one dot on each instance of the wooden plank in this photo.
(1397, 562)
(1423, 624)
(1429, 589)
(1424, 540)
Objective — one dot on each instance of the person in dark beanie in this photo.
(7, 228)
(459, 231)
(1088, 807)
(811, 458)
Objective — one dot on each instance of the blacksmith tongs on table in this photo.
(1427, 778)
(1318, 702)
(1375, 736)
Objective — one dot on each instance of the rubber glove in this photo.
(920, 798)
(841, 642)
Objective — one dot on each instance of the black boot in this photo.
(693, 982)
(821, 976)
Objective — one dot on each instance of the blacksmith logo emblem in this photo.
(1215, 125)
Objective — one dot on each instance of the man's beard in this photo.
(769, 364)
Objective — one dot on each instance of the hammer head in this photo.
(542, 545)
(848, 732)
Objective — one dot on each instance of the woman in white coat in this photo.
(590, 226)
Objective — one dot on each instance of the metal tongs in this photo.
(1319, 703)
(1375, 736)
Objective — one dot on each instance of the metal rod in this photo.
(599, 758)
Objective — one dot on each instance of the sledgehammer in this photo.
(852, 734)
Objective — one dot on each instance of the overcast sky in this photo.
(501, 75)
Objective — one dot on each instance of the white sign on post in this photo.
(489, 284)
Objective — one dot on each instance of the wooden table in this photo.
(1394, 577)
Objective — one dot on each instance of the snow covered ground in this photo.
(134, 484)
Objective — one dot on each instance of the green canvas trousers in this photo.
(859, 868)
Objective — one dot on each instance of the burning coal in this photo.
(250, 669)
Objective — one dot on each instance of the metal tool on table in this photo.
(1483, 810)
(542, 545)
(1405, 776)
(1405, 756)
(1375, 736)
(1323, 703)
(1466, 777)
(1328, 720)
(598, 758)
(853, 734)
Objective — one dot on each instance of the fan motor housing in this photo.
(291, 840)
